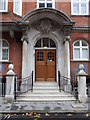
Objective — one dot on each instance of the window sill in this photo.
(5, 62)
(80, 60)
(79, 15)
(4, 12)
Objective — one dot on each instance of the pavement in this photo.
(61, 106)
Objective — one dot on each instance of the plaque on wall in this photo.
(2, 68)
(83, 69)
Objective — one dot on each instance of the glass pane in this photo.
(84, 43)
(41, 5)
(2, 4)
(49, 5)
(40, 56)
(52, 44)
(4, 43)
(45, 42)
(17, 6)
(77, 53)
(77, 43)
(4, 54)
(83, 8)
(85, 53)
(75, 8)
(50, 56)
(38, 44)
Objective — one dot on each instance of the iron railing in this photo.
(23, 85)
(67, 85)
(3, 84)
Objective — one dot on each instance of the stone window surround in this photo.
(45, 2)
(20, 7)
(1, 48)
(80, 2)
(80, 48)
(6, 8)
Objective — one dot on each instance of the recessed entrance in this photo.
(45, 60)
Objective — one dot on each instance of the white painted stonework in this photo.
(10, 84)
(81, 76)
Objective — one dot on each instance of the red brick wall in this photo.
(29, 6)
(15, 55)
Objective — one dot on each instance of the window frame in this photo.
(80, 2)
(45, 2)
(1, 48)
(19, 9)
(6, 10)
(80, 47)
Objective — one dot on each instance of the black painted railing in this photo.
(23, 85)
(64, 83)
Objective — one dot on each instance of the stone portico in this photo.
(49, 23)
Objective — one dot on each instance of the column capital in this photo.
(24, 37)
(67, 38)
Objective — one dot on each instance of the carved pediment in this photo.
(46, 25)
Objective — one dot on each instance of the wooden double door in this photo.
(45, 65)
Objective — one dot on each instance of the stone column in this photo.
(67, 62)
(24, 56)
(82, 96)
(67, 57)
(24, 61)
(10, 76)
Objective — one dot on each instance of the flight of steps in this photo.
(45, 91)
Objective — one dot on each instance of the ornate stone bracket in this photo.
(24, 37)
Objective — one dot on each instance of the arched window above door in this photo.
(45, 43)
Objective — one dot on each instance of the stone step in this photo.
(45, 88)
(45, 84)
(45, 98)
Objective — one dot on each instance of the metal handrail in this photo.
(59, 84)
(27, 82)
(63, 81)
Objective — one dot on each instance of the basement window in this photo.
(3, 5)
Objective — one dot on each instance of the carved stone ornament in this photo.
(45, 25)
(24, 37)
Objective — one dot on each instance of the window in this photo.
(45, 43)
(81, 50)
(4, 50)
(45, 3)
(79, 7)
(3, 5)
(18, 7)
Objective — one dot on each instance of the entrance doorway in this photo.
(45, 61)
(45, 65)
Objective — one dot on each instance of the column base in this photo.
(83, 98)
(9, 98)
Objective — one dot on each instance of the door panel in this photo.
(45, 63)
(51, 65)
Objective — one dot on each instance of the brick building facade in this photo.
(20, 25)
